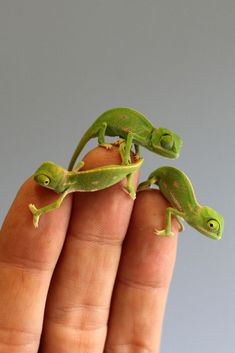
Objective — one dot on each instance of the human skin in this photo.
(93, 278)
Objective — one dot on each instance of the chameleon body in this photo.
(62, 181)
(133, 127)
(178, 190)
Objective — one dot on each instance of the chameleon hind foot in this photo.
(163, 233)
(118, 142)
(126, 159)
(130, 191)
(129, 188)
(36, 214)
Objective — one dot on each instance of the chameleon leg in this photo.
(137, 151)
(127, 152)
(37, 212)
(122, 150)
(146, 184)
(79, 166)
(167, 232)
(179, 219)
(101, 137)
(130, 187)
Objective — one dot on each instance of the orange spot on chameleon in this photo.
(127, 129)
(176, 184)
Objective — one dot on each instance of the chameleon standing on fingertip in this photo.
(134, 128)
(55, 177)
(178, 190)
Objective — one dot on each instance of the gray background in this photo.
(64, 62)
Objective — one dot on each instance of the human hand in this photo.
(92, 278)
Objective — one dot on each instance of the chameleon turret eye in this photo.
(167, 142)
(213, 225)
(43, 180)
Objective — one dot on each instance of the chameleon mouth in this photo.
(215, 236)
(168, 153)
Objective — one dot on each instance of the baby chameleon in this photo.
(133, 127)
(55, 177)
(178, 190)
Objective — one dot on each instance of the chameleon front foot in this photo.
(136, 157)
(36, 214)
(108, 146)
(163, 233)
(145, 185)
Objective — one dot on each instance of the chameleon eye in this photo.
(42, 180)
(213, 225)
(46, 181)
(167, 142)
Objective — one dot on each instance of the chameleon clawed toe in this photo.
(163, 233)
(131, 193)
(33, 208)
(108, 146)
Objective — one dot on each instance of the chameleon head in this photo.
(166, 143)
(210, 223)
(51, 176)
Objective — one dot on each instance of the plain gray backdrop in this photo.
(62, 63)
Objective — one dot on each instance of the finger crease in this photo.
(87, 307)
(98, 239)
(127, 348)
(76, 326)
(26, 265)
(17, 337)
(141, 285)
(84, 317)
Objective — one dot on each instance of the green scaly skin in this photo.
(133, 127)
(62, 181)
(178, 190)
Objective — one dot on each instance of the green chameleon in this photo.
(178, 190)
(133, 127)
(55, 177)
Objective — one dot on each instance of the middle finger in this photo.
(79, 298)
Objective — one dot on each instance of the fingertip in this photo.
(21, 240)
(150, 256)
(155, 210)
(113, 199)
(100, 156)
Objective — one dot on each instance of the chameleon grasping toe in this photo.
(178, 190)
(134, 128)
(55, 177)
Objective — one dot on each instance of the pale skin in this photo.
(57, 178)
(178, 190)
(135, 128)
(83, 248)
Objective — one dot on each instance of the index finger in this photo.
(27, 260)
